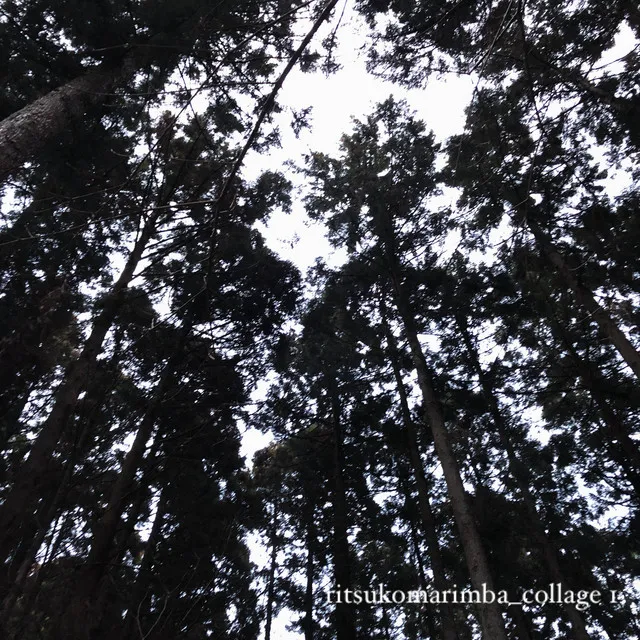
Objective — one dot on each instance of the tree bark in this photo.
(273, 566)
(491, 620)
(426, 514)
(25, 133)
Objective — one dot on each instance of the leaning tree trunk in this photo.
(26, 133)
(624, 450)
(586, 299)
(491, 620)
(516, 469)
(21, 502)
(424, 504)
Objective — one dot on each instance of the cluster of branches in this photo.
(457, 405)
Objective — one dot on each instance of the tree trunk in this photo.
(585, 298)
(516, 469)
(82, 613)
(491, 620)
(424, 504)
(425, 610)
(144, 574)
(624, 450)
(307, 622)
(25, 133)
(273, 566)
(22, 500)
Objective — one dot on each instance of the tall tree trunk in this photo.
(624, 450)
(585, 298)
(491, 620)
(25, 133)
(345, 615)
(424, 504)
(425, 610)
(516, 469)
(82, 613)
(17, 570)
(21, 502)
(273, 567)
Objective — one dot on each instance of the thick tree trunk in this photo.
(516, 469)
(585, 298)
(345, 616)
(491, 620)
(21, 503)
(25, 133)
(424, 504)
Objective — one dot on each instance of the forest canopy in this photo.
(452, 409)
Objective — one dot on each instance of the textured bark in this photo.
(21, 502)
(424, 504)
(516, 469)
(25, 133)
(585, 298)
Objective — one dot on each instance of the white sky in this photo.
(336, 100)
